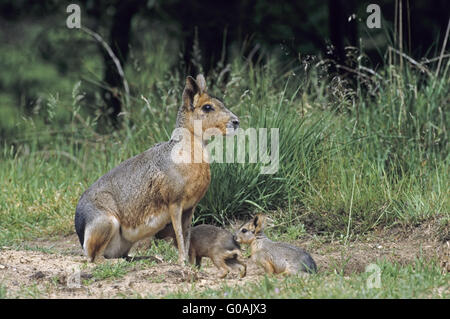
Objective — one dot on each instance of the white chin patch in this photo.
(231, 131)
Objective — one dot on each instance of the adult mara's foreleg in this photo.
(187, 225)
(168, 231)
(176, 212)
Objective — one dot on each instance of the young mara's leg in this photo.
(243, 265)
(268, 267)
(220, 263)
(235, 260)
(293, 271)
(198, 261)
(192, 255)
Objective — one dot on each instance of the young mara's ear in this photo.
(255, 220)
(191, 88)
(201, 83)
(260, 222)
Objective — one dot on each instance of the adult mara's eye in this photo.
(244, 230)
(207, 108)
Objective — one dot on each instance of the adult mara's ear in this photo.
(190, 89)
(201, 83)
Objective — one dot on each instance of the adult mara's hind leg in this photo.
(179, 229)
(99, 234)
(118, 246)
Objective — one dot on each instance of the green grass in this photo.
(24, 292)
(115, 269)
(3, 291)
(119, 268)
(164, 249)
(351, 159)
(424, 279)
(420, 279)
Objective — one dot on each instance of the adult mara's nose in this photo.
(235, 122)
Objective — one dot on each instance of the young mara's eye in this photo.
(207, 108)
(244, 230)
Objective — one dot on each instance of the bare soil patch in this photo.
(51, 268)
(47, 268)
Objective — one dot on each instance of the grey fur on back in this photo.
(204, 237)
(220, 246)
(127, 188)
(293, 255)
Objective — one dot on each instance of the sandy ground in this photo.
(57, 268)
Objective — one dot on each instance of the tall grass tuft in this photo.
(378, 148)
